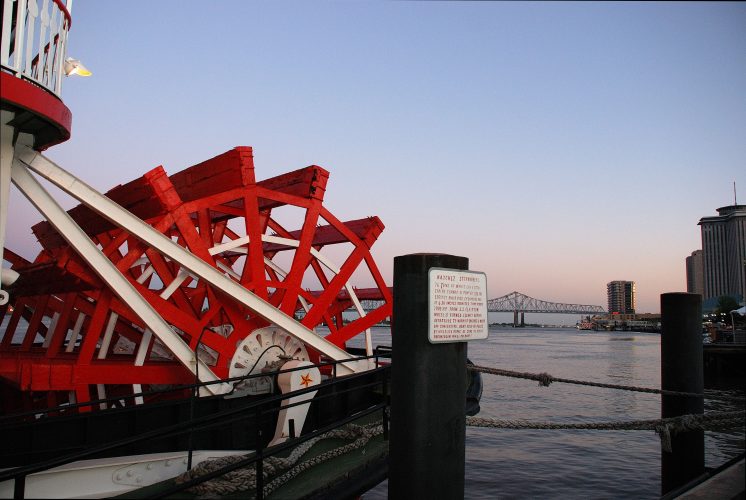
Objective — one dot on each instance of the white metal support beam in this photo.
(124, 219)
(6, 160)
(76, 331)
(106, 270)
(108, 332)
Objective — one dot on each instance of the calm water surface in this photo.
(572, 463)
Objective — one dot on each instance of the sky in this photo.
(557, 145)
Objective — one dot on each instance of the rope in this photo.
(322, 457)
(245, 478)
(545, 379)
(664, 427)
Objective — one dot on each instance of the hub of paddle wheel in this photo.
(208, 273)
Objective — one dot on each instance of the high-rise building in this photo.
(621, 296)
(724, 252)
(695, 277)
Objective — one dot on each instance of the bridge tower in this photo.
(520, 324)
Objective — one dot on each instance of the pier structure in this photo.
(428, 430)
(681, 370)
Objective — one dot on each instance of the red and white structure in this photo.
(32, 53)
(205, 273)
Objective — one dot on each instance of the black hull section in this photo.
(242, 423)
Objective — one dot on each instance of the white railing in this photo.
(33, 40)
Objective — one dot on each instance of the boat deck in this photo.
(344, 475)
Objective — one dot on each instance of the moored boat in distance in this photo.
(586, 323)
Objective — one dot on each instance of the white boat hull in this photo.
(106, 477)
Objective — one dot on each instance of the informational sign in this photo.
(458, 305)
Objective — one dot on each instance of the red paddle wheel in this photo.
(69, 337)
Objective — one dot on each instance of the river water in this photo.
(506, 463)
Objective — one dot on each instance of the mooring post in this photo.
(428, 390)
(681, 370)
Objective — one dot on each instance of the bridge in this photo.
(517, 302)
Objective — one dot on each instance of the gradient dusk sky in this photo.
(558, 146)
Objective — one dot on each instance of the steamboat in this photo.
(176, 318)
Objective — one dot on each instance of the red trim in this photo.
(64, 10)
(28, 96)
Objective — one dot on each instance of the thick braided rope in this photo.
(230, 482)
(545, 379)
(664, 427)
(245, 478)
(367, 434)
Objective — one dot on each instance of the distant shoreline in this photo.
(528, 325)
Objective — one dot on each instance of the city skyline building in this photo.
(724, 253)
(621, 297)
(695, 279)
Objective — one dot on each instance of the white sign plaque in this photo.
(458, 305)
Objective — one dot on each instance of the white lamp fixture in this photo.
(75, 67)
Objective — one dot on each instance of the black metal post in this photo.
(681, 370)
(428, 390)
(385, 410)
(260, 475)
(19, 487)
(195, 395)
(259, 466)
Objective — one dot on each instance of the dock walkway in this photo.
(727, 484)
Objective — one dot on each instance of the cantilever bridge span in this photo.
(517, 302)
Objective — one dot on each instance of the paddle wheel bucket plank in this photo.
(136, 287)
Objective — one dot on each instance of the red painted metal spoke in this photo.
(67, 334)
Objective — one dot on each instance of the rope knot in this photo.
(544, 379)
(664, 432)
